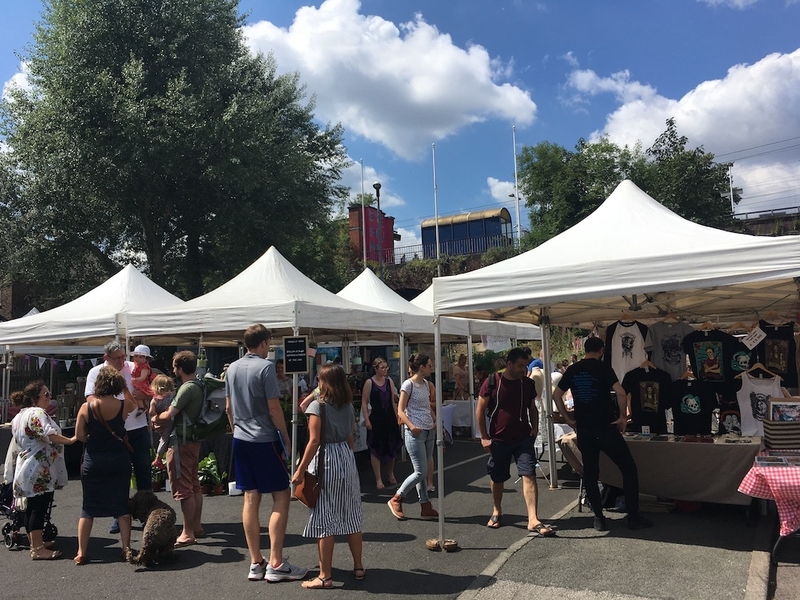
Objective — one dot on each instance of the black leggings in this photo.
(36, 511)
(609, 440)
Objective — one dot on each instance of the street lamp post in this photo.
(377, 187)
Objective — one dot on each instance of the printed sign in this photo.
(294, 354)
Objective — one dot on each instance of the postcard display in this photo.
(724, 374)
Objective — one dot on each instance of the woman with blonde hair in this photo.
(331, 419)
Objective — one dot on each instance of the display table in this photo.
(781, 484)
(695, 472)
(463, 414)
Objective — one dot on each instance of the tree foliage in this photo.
(563, 187)
(150, 134)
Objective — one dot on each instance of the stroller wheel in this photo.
(50, 532)
(8, 536)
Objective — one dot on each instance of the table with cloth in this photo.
(690, 471)
(781, 484)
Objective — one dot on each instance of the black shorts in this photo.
(499, 464)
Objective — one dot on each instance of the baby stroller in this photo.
(12, 535)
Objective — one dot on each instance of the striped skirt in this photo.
(338, 509)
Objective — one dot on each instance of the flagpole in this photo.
(363, 217)
(436, 210)
(516, 189)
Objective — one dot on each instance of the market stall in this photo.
(631, 256)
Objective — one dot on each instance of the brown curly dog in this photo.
(159, 533)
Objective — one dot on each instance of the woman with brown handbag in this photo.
(331, 421)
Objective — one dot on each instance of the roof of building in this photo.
(470, 216)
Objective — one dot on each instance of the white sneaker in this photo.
(258, 570)
(286, 572)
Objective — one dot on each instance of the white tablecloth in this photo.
(462, 417)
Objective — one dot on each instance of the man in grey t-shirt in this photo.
(259, 438)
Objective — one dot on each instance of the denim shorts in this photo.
(499, 464)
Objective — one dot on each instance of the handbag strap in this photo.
(321, 457)
(95, 408)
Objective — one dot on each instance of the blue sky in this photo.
(401, 76)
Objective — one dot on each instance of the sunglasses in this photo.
(45, 394)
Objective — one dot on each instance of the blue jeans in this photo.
(420, 451)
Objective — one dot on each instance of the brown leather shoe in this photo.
(427, 511)
(396, 506)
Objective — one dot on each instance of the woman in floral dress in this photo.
(40, 468)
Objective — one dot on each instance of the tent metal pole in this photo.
(295, 403)
(437, 342)
(547, 398)
(471, 383)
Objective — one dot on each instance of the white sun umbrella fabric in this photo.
(94, 317)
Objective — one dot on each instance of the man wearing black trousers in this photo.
(599, 425)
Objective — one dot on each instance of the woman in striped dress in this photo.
(338, 509)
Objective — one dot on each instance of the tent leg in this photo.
(437, 336)
(547, 398)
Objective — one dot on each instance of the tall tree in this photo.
(150, 133)
(562, 187)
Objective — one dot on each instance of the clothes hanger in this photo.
(671, 317)
(648, 365)
(774, 318)
(688, 374)
(707, 326)
(757, 367)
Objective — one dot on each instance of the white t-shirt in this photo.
(133, 421)
(627, 348)
(753, 399)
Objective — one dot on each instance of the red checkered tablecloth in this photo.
(781, 484)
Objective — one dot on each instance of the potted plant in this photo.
(209, 476)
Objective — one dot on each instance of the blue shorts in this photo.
(260, 466)
(500, 453)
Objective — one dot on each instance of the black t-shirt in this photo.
(693, 402)
(716, 357)
(591, 381)
(777, 351)
(649, 389)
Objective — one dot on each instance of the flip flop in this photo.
(543, 530)
(183, 544)
(494, 522)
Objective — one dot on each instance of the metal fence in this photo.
(475, 245)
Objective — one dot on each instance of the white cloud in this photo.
(403, 86)
(408, 237)
(571, 59)
(752, 106)
(18, 80)
(351, 177)
(740, 4)
(501, 190)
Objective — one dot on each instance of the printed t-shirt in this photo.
(693, 403)
(666, 343)
(753, 398)
(591, 381)
(650, 398)
(625, 346)
(778, 351)
(716, 357)
(508, 409)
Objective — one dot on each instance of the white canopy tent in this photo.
(630, 255)
(91, 319)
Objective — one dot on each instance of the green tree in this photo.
(563, 187)
(150, 133)
(367, 199)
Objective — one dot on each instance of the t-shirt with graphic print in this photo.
(753, 398)
(650, 398)
(712, 356)
(693, 404)
(591, 381)
(625, 346)
(777, 351)
(666, 346)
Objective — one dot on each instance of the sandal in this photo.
(359, 573)
(37, 555)
(494, 522)
(324, 584)
(543, 530)
(380, 486)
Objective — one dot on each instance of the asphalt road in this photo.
(707, 554)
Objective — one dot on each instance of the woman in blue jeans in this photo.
(415, 412)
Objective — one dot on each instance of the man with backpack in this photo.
(507, 400)
(182, 469)
(260, 439)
